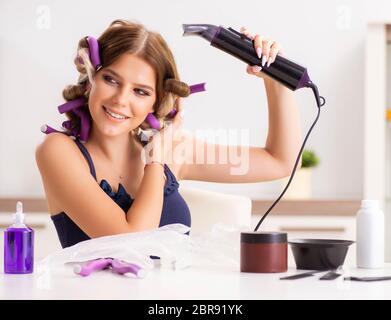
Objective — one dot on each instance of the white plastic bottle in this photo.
(370, 235)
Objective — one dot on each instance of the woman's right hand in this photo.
(162, 145)
(266, 48)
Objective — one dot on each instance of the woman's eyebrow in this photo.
(136, 84)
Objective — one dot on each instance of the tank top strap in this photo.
(172, 183)
(87, 156)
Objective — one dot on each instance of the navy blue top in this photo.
(175, 209)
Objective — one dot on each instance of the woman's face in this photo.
(122, 95)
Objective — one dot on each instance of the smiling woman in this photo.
(126, 74)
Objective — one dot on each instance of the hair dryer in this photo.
(288, 73)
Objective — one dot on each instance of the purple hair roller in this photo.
(94, 52)
(84, 124)
(70, 105)
(93, 265)
(122, 267)
(67, 124)
(197, 87)
(154, 122)
(48, 129)
(172, 113)
(74, 106)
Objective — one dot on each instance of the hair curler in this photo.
(124, 268)
(154, 122)
(93, 265)
(93, 53)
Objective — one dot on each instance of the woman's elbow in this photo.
(288, 168)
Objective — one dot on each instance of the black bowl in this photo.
(319, 254)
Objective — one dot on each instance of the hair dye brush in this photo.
(286, 72)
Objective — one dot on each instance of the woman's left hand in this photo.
(267, 50)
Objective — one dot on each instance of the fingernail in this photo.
(263, 60)
(269, 61)
(259, 52)
(256, 68)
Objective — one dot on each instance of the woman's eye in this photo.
(142, 91)
(112, 81)
(109, 79)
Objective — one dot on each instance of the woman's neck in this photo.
(117, 150)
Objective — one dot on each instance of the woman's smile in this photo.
(114, 116)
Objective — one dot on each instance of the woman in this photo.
(138, 76)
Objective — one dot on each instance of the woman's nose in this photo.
(121, 98)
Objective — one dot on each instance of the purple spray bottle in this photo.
(18, 245)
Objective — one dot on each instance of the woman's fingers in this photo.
(266, 45)
(274, 49)
(259, 45)
(256, 38)
(247, 33)
(266, 49)
(263, 49)
(254, 70)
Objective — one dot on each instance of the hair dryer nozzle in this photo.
(206, 31)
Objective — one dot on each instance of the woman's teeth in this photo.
(114, 115)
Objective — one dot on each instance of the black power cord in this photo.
(320, 101)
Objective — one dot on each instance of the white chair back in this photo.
(209, 207)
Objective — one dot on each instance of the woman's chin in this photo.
(113, 131)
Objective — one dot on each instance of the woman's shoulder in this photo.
(55, 142)
(52, 139)
(58, 147)
(56, 152)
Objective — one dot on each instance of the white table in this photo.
(191, 283)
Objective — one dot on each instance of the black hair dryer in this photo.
(288, 73)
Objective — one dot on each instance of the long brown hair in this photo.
(121, 37)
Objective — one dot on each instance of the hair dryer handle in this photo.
(285, 71)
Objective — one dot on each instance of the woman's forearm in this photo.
(145, 212)
(284, 133)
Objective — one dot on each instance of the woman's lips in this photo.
(113, 118)
(113, 111)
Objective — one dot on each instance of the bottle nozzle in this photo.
(19, 216)
(19, 207)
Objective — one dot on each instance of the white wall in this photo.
(325, 36)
